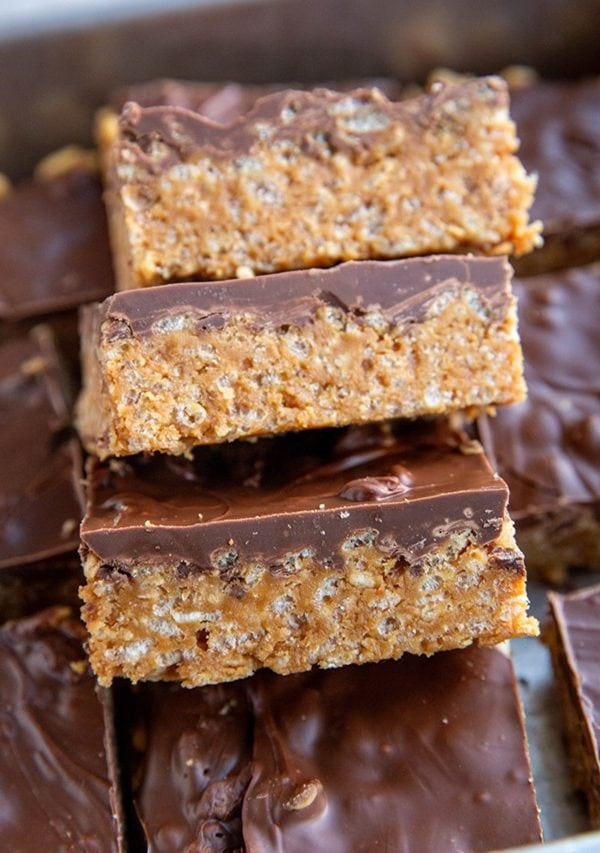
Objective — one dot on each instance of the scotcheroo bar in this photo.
(308, 179)
(573, 634)
(40, 493)
(546, 448)
(557, 122)
(415, 755)
(58, 771)
(172, 367)
(54, 250)
(322, 548)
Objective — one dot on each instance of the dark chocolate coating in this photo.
(418, 755)
(548, 447)
(194, 765)
(401, 290)
(284, 495)
(577, 619)
(56, 778)
(54, 251)
(558, 124)
(40, 492)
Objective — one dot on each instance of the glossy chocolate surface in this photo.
(283, 495)
(577, 620)
(194, 765)
(548, 447)
(558, 124)
(40, 493)
(54, 251)
(400, 290)
(163, 136)
(418, 755)
(57, 791)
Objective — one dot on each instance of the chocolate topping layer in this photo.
(559, 128)
(577, 618)
(56, 777)
(402, 291)
(54, 252)
(224, 102)
(548, 447)
(194, 765)
(418, 755)
(163, 136)
(40, 495)
(284, 495)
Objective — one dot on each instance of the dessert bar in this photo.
(58, 770)
(547, 447)
(328, 548)
(28, 588)
(419, 755)
(312, 178)
(414, 755)
(40, 493)
(54, 250)
(191, 765)
(558, 125)
(168, 368)
(573, 634)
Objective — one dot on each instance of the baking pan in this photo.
(53, 79)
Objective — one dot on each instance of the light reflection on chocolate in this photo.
(378, 488)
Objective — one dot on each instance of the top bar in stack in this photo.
(168, 368)
(309, 179)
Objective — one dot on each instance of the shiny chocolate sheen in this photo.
(54, 251)
(194, 765)
(403, 291)
(548, 447)
(163, 136)
(420, 755)
(559, 127)
(577, 620)
(40, 495)
(283, 495)
(55, 775)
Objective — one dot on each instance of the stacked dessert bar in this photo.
(250, 504)
(322, 547)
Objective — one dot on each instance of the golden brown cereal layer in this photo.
(149, 621)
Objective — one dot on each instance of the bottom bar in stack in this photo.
(325, 548)
(57, 760)
(573, 634)
(419, 755)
